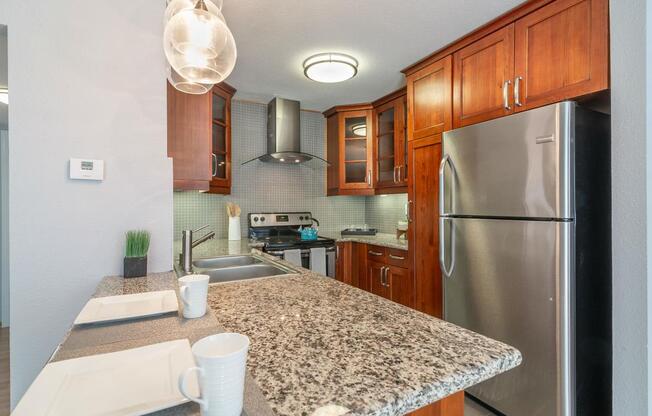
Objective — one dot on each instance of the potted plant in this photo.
(135, 263)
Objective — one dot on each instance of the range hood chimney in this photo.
(284, 134)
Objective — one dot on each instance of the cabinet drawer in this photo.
(376, 253)
(397, 257)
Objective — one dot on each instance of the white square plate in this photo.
(130, 382)
(138, 305)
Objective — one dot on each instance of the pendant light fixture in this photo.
(330, 67)
(183, 85)
(197, 42)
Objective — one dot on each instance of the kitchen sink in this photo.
(227, 261)
(235, 268)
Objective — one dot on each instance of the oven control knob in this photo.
(262, 219)
(255, 219)
(301, 218)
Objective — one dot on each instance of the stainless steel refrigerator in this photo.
(525, 254)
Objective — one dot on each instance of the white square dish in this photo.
(138, 305)
(125, 383)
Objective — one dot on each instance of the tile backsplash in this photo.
(273, 187)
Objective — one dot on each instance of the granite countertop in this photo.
(85, 340)
(316, 344)
(380, 239)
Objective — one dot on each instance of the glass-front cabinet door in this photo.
(391, 144)
(355, 150)
(220, 140)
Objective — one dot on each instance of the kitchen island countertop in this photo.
(315, 342)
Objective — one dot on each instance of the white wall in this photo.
(87, 80)
(631, 301)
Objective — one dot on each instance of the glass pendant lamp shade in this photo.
(183, 85)
(198, 44)
(175, 6)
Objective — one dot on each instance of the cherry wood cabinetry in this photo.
(557, 52)
(423, 237)
(429, 99)
(561, 51)
(390, 143)
(189, 139)
(199, 139)
(483, 74)
(350, 150)
(452, 405)
(221, 139)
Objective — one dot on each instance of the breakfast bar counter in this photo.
(318, 346)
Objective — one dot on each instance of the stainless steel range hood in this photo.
(284, 134)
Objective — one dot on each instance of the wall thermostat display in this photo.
(88, 169)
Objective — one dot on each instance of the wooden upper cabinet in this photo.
(429, 99)
(390, 156)
(350, 150)
(482, 77)
(221, 139)
(189, 145)
(199, 139)
(562, 51)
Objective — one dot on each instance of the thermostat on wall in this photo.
(88, 169)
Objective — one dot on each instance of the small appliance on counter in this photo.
(353, 230)
(282, 232)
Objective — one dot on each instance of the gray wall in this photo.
(268, 187)
(385, 211)
(4, 228)
(631, 288)
(88, 80)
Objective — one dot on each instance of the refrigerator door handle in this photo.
(442, 246)
(442, 186)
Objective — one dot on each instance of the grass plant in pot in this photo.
(135, 263)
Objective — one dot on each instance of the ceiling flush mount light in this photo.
(4, 96)
(359, 130)
(198, 44)
(330, 67)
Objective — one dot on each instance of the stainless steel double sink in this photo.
(234, 268)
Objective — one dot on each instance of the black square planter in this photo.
(135, 266)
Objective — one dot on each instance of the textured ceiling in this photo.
(274, 37)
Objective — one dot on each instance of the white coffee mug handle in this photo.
(182, 293)
(182, 386)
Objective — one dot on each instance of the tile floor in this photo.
(472, 408)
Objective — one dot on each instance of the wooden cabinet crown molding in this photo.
(501, 21)
(348, 107)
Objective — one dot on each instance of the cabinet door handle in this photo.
(214, 160)
(386, 279)
(375, 253)
(400, 173)
(409, 211)
(517, 92)
(506, 85)
(391, 256)
(382, 276)
(369, 177)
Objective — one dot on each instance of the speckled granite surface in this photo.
(84, 340)
(318, 342)
(380, 239)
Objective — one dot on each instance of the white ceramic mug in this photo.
(221, 363)
(193, 290)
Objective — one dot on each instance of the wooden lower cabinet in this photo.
(452, 405)
(376, 276)
(423, 194)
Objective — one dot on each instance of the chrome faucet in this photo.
(187, 244)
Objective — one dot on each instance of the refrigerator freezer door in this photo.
(511, 281)
(516, 166)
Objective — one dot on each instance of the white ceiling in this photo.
(274, 37)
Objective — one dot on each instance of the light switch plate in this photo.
(88, 169)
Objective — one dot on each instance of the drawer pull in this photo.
(375, 253)
(391, 256)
